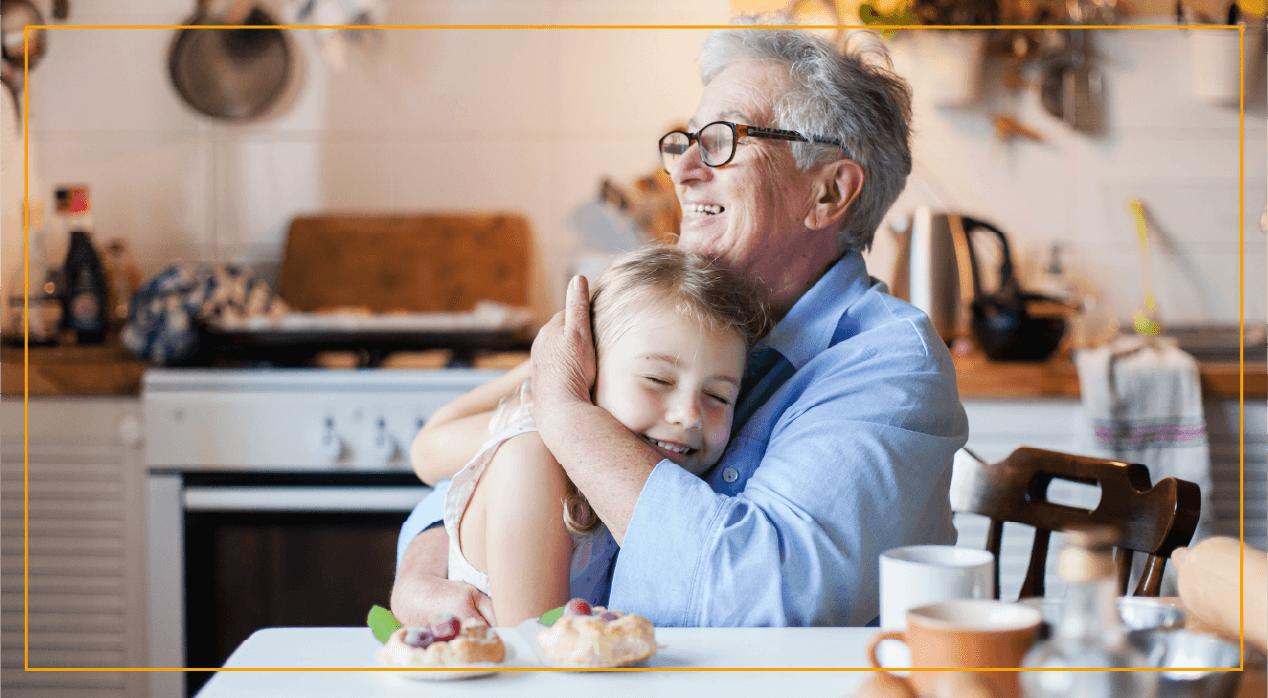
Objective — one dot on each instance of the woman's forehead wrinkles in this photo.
(738, 117)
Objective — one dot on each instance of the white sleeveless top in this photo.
(459, 496)
(512, 418)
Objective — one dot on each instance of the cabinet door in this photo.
(80, 497)
(1223, 424)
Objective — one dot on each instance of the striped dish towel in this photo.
(1144, 401)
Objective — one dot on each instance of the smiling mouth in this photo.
(704, 209)
(674, 452)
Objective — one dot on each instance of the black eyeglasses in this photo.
(717, 142)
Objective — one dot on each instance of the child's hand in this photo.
(563, 355)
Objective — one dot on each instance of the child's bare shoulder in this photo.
(521, 459)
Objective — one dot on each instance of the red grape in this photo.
(608, 616)
(418, 637)
(577, 607)
(446, 629)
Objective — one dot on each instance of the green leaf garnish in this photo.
(382, 622)
(549, 617)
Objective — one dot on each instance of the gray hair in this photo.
(852, 96)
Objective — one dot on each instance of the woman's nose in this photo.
(690, 167)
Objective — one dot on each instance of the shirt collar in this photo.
(808, 327)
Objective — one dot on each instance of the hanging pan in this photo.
(232, 74)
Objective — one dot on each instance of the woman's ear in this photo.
(835, 190)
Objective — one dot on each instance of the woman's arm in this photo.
(454, 433)
(422, 591)
(527, 548)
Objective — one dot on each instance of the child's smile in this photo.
(674, 384)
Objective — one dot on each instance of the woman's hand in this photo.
(573, 428)
(422, 590)
(563, 357)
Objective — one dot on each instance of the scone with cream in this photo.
(597, 637)
(449, 642)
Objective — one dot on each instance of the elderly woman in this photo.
(849, 415)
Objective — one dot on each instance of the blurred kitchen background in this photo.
(534, 120)
(150, 484)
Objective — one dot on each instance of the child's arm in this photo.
(527, 548)
(454, 433)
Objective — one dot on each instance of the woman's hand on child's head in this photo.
(563, 354)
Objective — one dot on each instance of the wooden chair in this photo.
(1153, 519)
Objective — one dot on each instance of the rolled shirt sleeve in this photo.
(428, 512)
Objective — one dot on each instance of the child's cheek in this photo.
(718, 431)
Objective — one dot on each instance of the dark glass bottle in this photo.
(84, 282)
(85, 290)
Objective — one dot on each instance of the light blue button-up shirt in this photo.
(850, 457)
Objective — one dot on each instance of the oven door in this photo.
(261, 550)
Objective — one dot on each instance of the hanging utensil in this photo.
(1144, 320)
(1083, 87)
(1052, 79)
(233, 74)
(21, 48)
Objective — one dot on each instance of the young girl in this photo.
(671, 338)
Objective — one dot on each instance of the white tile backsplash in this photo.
(262, 183)
(486, 83)
(108, 81)
(532, 119)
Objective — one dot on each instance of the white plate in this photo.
(531, 627)
(464, 671)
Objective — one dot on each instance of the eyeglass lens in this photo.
(717, 145)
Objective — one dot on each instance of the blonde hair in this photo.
(647, 281)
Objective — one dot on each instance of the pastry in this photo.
(446, 643)
(597, 637)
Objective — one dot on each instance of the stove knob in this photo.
(331, 446)
(379, 447)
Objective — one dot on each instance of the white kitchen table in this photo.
(769, 649)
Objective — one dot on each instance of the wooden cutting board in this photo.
(413, 263)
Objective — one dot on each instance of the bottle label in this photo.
(83, 311)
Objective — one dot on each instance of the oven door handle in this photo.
(321, 499)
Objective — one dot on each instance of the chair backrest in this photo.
(1153, 519)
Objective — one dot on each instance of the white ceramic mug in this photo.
(923, 574)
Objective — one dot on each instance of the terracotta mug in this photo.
(966, 634)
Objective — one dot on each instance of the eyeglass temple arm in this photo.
(783, 135)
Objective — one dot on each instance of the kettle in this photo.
(1010, 324)
(930, 274)
(938, 272)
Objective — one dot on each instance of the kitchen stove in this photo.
(274, 497)
(293, 419)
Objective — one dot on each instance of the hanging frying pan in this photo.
(19, 51)
(232, 74)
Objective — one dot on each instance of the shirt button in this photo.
(729, 475)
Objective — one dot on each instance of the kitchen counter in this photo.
(980, 377)
(111, 370)
(103, 369)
